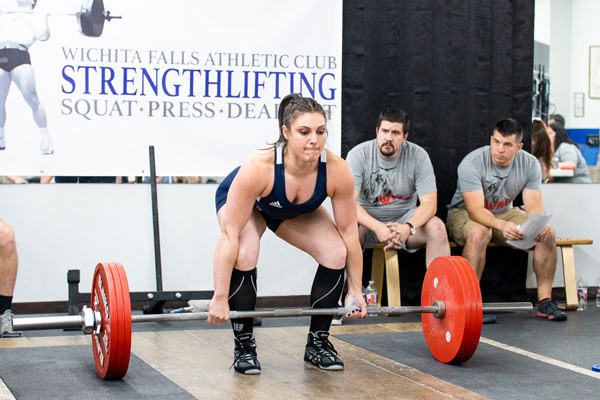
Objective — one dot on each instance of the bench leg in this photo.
(568, 259)
(377, 266)
(392, 274)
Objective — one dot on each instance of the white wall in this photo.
(74, 226)
(541, 31)
(560, 58)
(585, 32)
(573, 27)
(574, 210)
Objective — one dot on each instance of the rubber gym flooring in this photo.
(521, 356)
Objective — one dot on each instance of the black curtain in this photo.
(455, 66)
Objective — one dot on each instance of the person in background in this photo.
(568, 154)
(541, 148)
(395, 190)
(481, 211)
(557, 119)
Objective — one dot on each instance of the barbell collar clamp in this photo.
(88, 320)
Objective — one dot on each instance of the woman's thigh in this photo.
(249, 241)
(317, 235)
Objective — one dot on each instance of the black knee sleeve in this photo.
(326, 291)
(242, 297)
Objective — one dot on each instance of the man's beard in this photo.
(384, 149)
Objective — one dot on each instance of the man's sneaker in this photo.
(321, 353)
(6, 326)
(46, 147)
(548, 309)
(2, 143)
(244, 355)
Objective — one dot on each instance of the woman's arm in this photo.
(250, 182)
(341, 190)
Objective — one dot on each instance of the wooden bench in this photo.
(387, 261)
(569, 273)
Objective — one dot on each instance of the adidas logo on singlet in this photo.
(275, 204)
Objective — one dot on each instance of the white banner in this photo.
(198, 80)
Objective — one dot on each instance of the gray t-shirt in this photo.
(500, 185)
(387, 187)
(568, 152)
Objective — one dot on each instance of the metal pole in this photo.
(284, 312)
(295, 312)
(77, 321)
(157, 258)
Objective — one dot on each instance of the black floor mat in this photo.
(68, 372)
(501, 374)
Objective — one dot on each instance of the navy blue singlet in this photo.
(276, 207)
(276, 204)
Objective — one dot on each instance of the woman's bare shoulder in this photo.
(260, 158)
(335, 162)
(338, 173)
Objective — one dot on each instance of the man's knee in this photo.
(7, 237)
(436, 229)
(549, 241)
(479, 236)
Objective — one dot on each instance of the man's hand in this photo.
(511, 231)
(544, 234)
(385, 235)
(401, 234)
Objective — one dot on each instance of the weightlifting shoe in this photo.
(244, 355)
(6, 326)
(46, 147)
(548, 309)
(321, 353)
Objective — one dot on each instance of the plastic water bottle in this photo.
(582, 291)
(371, 294)
(598, 293)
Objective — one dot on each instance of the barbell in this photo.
(91, 16)
(451, 314)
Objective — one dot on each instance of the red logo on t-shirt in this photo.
(390, 197)
(497, 205)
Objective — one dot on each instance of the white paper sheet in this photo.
(531, 228)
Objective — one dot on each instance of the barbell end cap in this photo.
(97, 322)
(441, 309)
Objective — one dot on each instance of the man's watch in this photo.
(413, 230)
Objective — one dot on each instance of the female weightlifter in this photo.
(282, 187)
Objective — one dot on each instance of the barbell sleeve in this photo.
(507, 307)
(41, 323)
